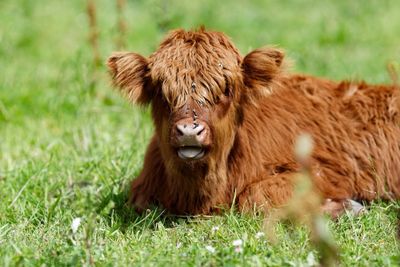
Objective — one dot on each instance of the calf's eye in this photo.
(227, 92)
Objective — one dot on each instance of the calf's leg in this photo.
(336, 207)
(145, 187)
(270, 192)
(277, 190)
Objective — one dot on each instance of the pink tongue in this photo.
(190, 152)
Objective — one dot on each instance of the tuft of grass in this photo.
(69, 150)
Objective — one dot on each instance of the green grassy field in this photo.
(69, 146)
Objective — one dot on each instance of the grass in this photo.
(69, 146)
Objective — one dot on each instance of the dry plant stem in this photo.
(304, 208)
(122, 26)
(320, 235)
(393, 69)
(93, 32)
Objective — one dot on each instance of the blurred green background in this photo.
(69, 144)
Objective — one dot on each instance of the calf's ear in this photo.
(260, 67)
(130, 73)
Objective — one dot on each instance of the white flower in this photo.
(237, 242)
(75, 224)
(259, 235)
(210, 249)
(215, 228)
(178, 245)
(238, 249)
(311, 260)
(238, 245)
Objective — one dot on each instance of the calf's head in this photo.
(198, 85)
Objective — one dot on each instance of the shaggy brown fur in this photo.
(253, 111)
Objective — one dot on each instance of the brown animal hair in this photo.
(225, 127)
(130, 72)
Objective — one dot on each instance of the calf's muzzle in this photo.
(192, 137)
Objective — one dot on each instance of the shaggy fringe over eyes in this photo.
(130, 74)
(194, 65)
(197, 65)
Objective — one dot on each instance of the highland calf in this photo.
(225, 128)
